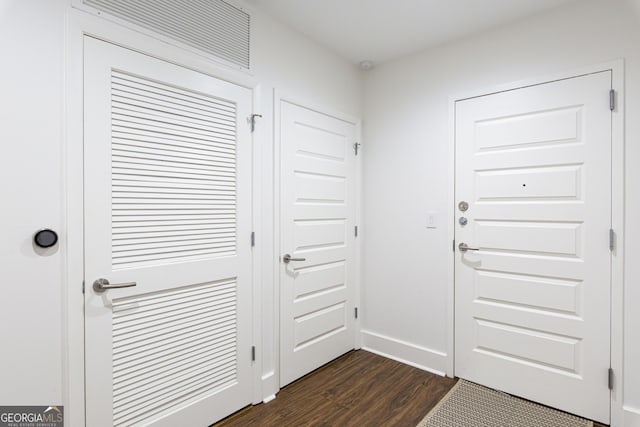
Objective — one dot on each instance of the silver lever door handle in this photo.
(287, 258)
(101, 285)
(463, 247)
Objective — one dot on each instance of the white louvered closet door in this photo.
(167, 206)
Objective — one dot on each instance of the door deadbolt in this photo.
(463, 206)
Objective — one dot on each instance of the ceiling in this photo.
(381, 30)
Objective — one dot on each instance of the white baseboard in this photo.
(631, 417)
(269, 387)
(404, 352)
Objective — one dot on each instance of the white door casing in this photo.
(167, 206)
(317, 224)
(532, 306)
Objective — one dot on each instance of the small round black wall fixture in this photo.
(45, 238)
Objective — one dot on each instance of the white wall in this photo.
(407, 168)
(32, 46)
(31, 113)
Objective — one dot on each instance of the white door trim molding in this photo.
(79, 25)
(631, 417)
(617, 214)
(280, 96)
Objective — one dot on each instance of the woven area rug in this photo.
(471, 405)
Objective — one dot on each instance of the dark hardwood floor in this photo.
(358, 389)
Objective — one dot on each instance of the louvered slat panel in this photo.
(151, 238)
(129, 188)
(189, 140)
(133, 171)
(136, 152)
(181, 99)
(173, 174)
(213, 26)
(159, 227)
(169, 347)
(142, 327)
(166, 143)
(199, 345)
(174, 126)
(150, 113)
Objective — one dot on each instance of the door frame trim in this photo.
(617, 216)
(79, 25)
(280, 96)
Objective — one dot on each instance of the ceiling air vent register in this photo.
(213, 26)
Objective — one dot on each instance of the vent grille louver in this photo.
(213, 26)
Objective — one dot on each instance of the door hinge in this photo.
(612, 99)
(83, 287)
(356, 147)
(612, 239)
(253, 238)
(252, 121)
(253, 353)
(610, 378)
(453, 245)
(355, 312)
(356, 231)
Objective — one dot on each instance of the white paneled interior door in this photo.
(532, 292)
(167, 207)
(317, 212)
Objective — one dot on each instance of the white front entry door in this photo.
(167, 207)
(317, 212)
(532, 297)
